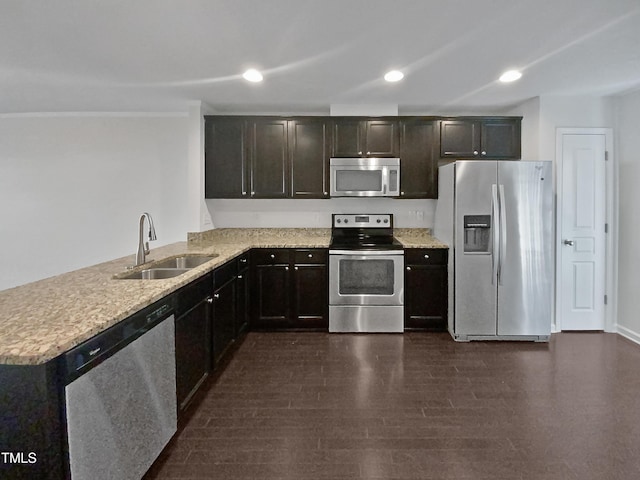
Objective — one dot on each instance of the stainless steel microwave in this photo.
(365, 177)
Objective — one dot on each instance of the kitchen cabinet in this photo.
(480, 138)
(425, 305)
(31, 428)
(242, 295)
(353, 137)
(309, 152)
(193, 345)
(224, 310)
(290, 289)
(310, 305)
(270, 292)
(418, 162)
(225, 167)
(268, 157)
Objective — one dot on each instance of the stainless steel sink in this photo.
(153, 274)
(185, 261)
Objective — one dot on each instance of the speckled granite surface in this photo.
(44, 319)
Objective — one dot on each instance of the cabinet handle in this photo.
(239, 277)
(243, 260)
(484, 152)
(295, 268)
(286, 268)
(244, 193)
(408, 268)
(209, 300)
(216, 295)
(475, 152)
(401, 193)
(326, 193)
(310, 255)
(426, 256)
(368, 153)
(272, 256)
(253, 193)
(359, 153)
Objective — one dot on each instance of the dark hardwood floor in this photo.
(415, 406)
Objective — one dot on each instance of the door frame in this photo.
(611, 218)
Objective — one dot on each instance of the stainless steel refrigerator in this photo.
(497, 217)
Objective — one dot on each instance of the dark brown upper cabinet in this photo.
(309, 147)
(418, 162)
(480, 138)
(353, 137)
(268, 157)
(225, 165)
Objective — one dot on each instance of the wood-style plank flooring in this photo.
(415, 406)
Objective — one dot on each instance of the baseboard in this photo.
(629, 334)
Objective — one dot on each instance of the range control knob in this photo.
(386, 220)
(346, 220)
(338, 221)
(378, 220)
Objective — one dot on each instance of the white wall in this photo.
(530, 130)
(628, 152)
(72, 188)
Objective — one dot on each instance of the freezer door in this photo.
(475, 279)
(526, 262)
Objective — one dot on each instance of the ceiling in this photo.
(160, 55)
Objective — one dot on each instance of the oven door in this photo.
(369, 277)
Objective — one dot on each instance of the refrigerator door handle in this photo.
(495, 245)
(503, 234)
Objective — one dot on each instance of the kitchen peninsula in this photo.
(45, 319)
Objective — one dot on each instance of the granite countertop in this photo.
(44, 319)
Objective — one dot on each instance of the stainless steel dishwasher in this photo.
(120, 396)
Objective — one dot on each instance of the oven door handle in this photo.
(359, 253)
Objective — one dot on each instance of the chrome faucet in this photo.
(143, 248)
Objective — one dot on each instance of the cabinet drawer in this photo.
(243, 261)
(270, 256)
(225, 273)
(310, 256)
(425, 256)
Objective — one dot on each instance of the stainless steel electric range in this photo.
(366, 275)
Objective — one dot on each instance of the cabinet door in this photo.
(225, 158)
(309, 153)
(242, 303)
(310, 289)
(459, 139)
(270, 296)
(425, 305)
(269, 161)
(382, 138)
(224, 319)
(501, 139)
(347, 138)
(418, 163)
(193, 354)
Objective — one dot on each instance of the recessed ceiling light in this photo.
(510, 76)
(394, 76)
(252, 75)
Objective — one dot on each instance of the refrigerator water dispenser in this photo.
(477, 233)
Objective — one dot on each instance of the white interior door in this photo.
(581, 248)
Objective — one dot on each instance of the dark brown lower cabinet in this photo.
(289, 289)
(193, 348)
(425, 304)
(224, 310)
(310, 292)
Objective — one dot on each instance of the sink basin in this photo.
(185, 261)
(154, 274)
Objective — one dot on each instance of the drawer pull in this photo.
(426, 256)
(408, 268)
(310, 255)
(272, 256)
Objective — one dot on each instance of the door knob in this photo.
(568, 242)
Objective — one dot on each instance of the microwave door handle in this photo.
(385, 180)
